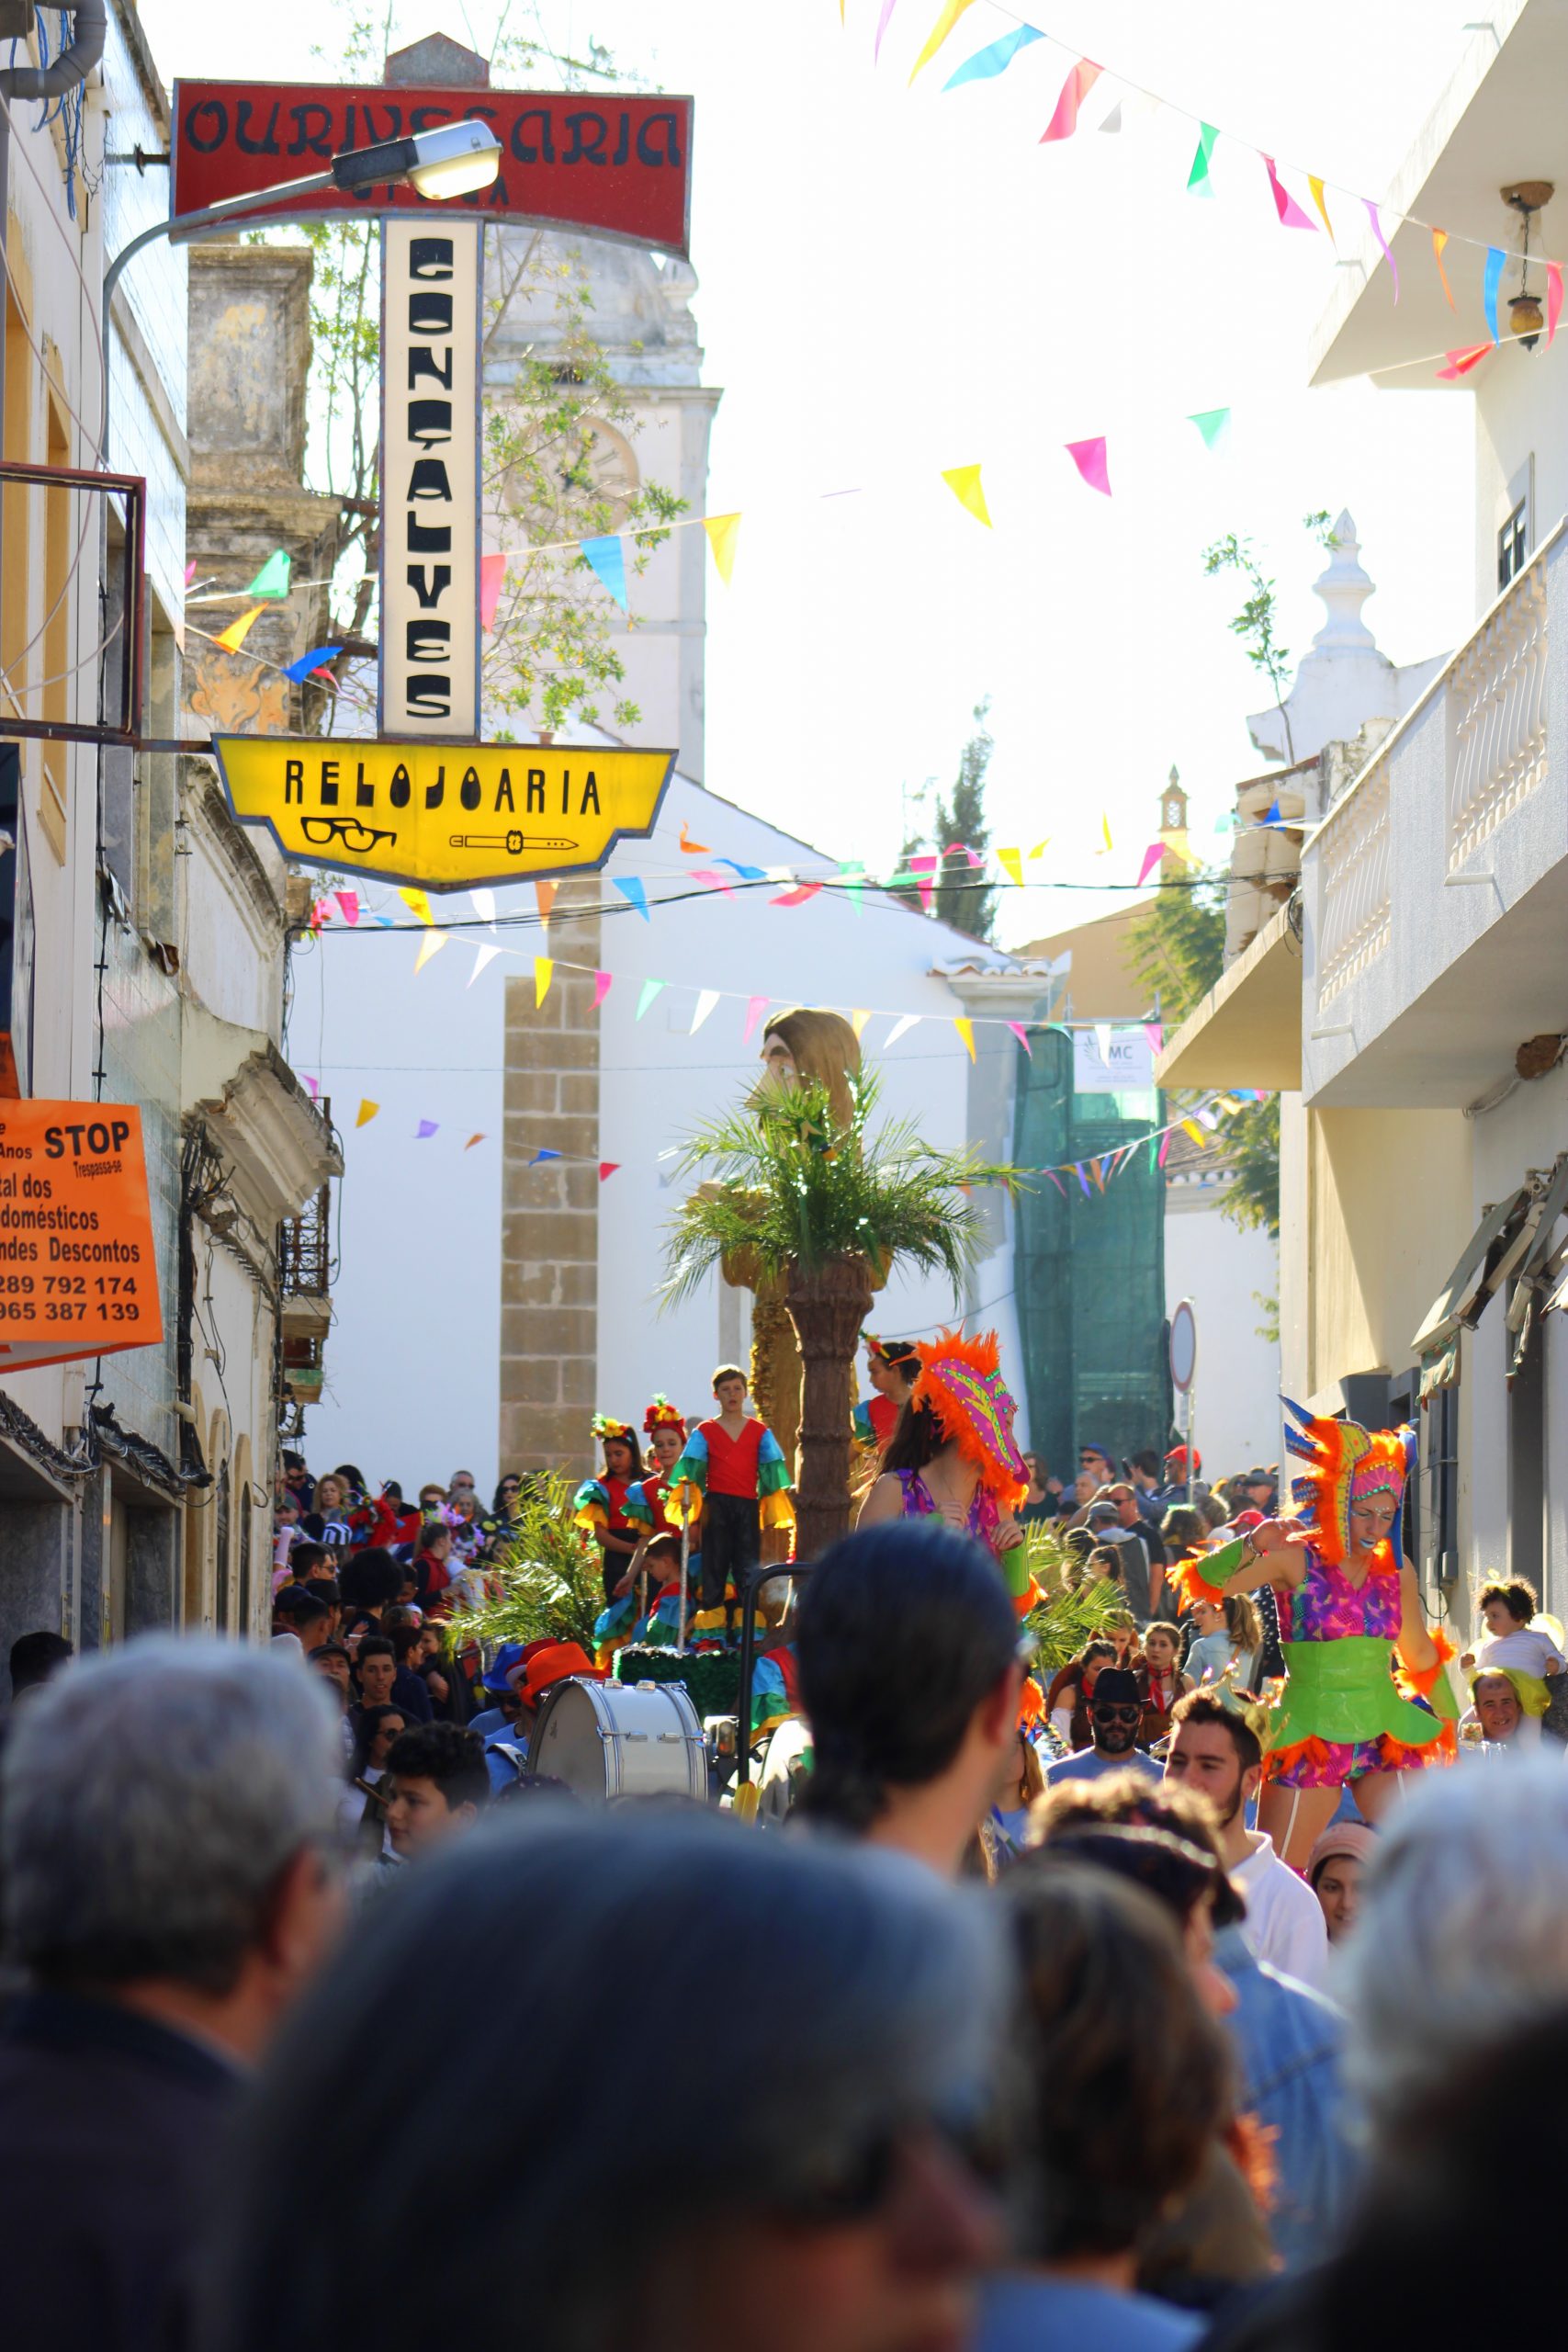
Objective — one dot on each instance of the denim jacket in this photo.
(1288, 2039)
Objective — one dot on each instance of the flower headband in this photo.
(605, 1426)
(661, 1415)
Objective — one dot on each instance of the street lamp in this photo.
(454, 159)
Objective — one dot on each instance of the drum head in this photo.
(608, 1740)
(567, 1742)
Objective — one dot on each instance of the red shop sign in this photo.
(615, 166)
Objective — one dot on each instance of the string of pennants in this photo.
(1093, 1175)
(994, 59)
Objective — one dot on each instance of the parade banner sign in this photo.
(77, 1273)
(616, 167)
(444, 816)
(431, 319)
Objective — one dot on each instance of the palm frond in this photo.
(550, 1577)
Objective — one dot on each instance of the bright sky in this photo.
(896, 281)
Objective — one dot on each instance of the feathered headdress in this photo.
(607, 1426)
(661, 1415)
(961, 1387)
(1342, 1463)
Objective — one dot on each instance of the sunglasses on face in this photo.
(857, 2184)
(1117, 1715)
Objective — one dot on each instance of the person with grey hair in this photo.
(166, 1828)
(826, 2201)
(1462, 1936)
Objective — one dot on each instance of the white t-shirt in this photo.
(1529, 1651)
(1284, 1921)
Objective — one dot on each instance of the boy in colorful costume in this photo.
(600, 1504)
(1366, 1697)
(733, 1472)
(892, 1367)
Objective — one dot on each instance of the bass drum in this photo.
(606, 1740)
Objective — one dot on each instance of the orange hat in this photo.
(558, 1663)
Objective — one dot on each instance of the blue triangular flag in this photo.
(299, 671)
(543, 1155)
(1271, 815)
(633, 891)
(994, 60)
(746, 873)
(609, 560)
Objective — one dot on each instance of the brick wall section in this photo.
(549, 1228)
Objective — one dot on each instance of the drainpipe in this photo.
(72, 65)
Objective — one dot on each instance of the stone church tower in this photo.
(641, 318)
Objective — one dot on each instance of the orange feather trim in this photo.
(1312, 1750)
(1194, 1585)
(1031, 1702)
(1423, 1679)
(982, 1448)
(1403, 1755)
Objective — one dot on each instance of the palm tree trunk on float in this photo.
(828, 1309)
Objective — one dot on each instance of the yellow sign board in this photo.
(446, 816)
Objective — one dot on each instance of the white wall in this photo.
(1220, 1268)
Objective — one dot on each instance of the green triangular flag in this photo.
(1198, 177)
(272, 580)
(1215, 425)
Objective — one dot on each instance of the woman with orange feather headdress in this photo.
(1366, 1697)
(952, 1454)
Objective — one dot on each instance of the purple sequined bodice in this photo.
(1326, 1606)
(981, 1522)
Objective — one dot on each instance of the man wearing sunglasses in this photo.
(1114, 1714)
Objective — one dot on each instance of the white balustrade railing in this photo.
(1354, 847)
(1496, 699)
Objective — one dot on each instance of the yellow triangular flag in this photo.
(543, 968)
(1316, 187)
(431, 944)
(1041, 847)
(367, 1111)
(417, 903)
(1196, 1132)
(1012, 862)
(951, 11)
(723, 530)
(1105, 829)
(965, 483)
(233, 636)
(965, 1029)
(857, 1023)
(1175, 845)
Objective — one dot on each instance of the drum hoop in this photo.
(612, 1736)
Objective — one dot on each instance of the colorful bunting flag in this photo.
(367, 1111)
(714, 881)
(965, 1029)
(854, 874)
(1080, 81)
(493, 573)
(431, 944)
(472, 1141)
(601, 985)
(901, 1029)
(746, 873)
(1206, 1118)
(887, 8)
(1012, 862)
(1285, 205)
(1021, 1034)
(1215, 425)
(723, 530)
(314, 1086)
(1094, 1169)
(1382, 242)
(483, 954)
(417, 904)
(1155, 1032)
(755, 1008)
(1194, 1130)
(1317, 198)
(191, 571)
(309, 663)
(1040, 849)
(608, 559)
(543, 1155)
(1105, 829)
(857, 1023)
(272, 580)
(544, 971)
(1164, 1147)
(922, 868)
(987, 63)
(348, 906)
(1440, 239)
(237, 631)
(1089, 457)
(951, 12)
(1493, 280)
(798, 896)
(635, 894)
(1102, 1042)
(1083, 1179)
(649, 990)
(1461, 362)
(1152, 857)
(607, 1168)
(1198, 181)
(426, 1127)
(1058, 1181)
(706, 1000)
(965, 483)
(483, 904)
(691, 848)
(545, 897)
(1554, 300)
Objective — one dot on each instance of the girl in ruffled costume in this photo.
(952, 1454)
(600, 1504)
(1366, 1697)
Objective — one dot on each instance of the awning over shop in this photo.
(1247, 1030)
(1491, 1255)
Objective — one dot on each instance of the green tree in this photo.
(1256, 622)
(1178, 949)
(962, 897)
(551, 655)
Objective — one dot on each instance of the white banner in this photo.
(431, 292)
(1111, 1058)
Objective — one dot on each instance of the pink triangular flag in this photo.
(1285, 205)
(1080, 81)
(315, 1086)
(601, 981)
(1058, 1181)
(1165, 1147)
(348, 901)
(607, 1168)
(1021, 1034)
(1090, 460)
(715, 881)
(1155, 1032)
(492, 572)
(755, 1008)
(1152, 856)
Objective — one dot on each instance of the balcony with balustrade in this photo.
(1435, 893)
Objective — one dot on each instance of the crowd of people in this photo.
(1106, 2006)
